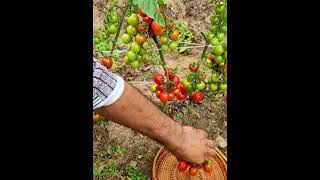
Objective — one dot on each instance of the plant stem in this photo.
(120, 25)
(156, 40)
(204, 50)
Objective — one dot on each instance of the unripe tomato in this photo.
(154, 88)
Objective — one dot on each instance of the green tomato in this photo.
(220, 9)
(218, 59)
(214, 19)
(224, 29)
(146, 45)
(210, 36)
(153, 88)
(163, 40)
(225, 55)
(209, 65)
(135, 47)
(112, 29)
(213, 87)
(139, 58)
(214, 77)
(223, 87)
(213, 28)
(186, 84)
(114, 18)
(133, 19)
(126, 60)
(218, 50)
(220, 37)
(132, 56)
(173, 46)
(126, 38)
(200, 86)
(135, 64)
(164, 47)
(131, 30)
(142, 52)
(214, 41)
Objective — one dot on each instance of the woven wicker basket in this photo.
(165, 168)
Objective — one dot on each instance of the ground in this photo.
(128, 146)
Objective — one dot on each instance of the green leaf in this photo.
(151, 8)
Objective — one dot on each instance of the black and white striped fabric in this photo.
(107, 86)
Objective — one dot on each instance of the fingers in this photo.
(202, 133)
(211, 152)
(211, 144)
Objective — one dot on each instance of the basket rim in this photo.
(161, 150)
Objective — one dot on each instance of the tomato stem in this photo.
(156, 40)
(120, 25)
(204, 50)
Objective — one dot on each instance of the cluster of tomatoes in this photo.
(193, 170)
(167, 90)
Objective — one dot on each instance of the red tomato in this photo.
(161, 87)
(147, 19)
(155, 26)
(158, 78)
(180, 96)
(197, 96)
(158, 93)
(141, 13)
(171, 96)
(141, 27)
(159, 33)
(211, 57)
(207, 167)
(170, 73)
(193, 171)
(181, 88)
(176, 79)
(182, 166)
(164, 97)
(107, 62)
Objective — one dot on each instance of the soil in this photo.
(207, 115)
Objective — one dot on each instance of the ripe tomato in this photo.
(161, 87)
(174, 36)
(147, 19)
(155, 26)
(200, 86)
(197, 96)
(163, 40)
(181, 88)
(141, 28)
(181, 96)
(141, 13)
(182, 166)
(133, 19)
(112, 29)
(172, 89)
(164, 97)
(154, 88)
(207, 167)
(171, 97)
(140, 39)
(135, 47)
(211, 57)
(135, 64)
(158, 93)
(193, 66)
(159, 33)
(107, 62)
(131, 30)
(158, 78)
(176, 79)
(193, 171)
(126, 38)
(170, 73)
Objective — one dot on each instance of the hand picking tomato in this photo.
(164, 97)
(107, 62)
(193, 171)
(182, 166)
(158, 78)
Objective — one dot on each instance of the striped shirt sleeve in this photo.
(107, 86)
